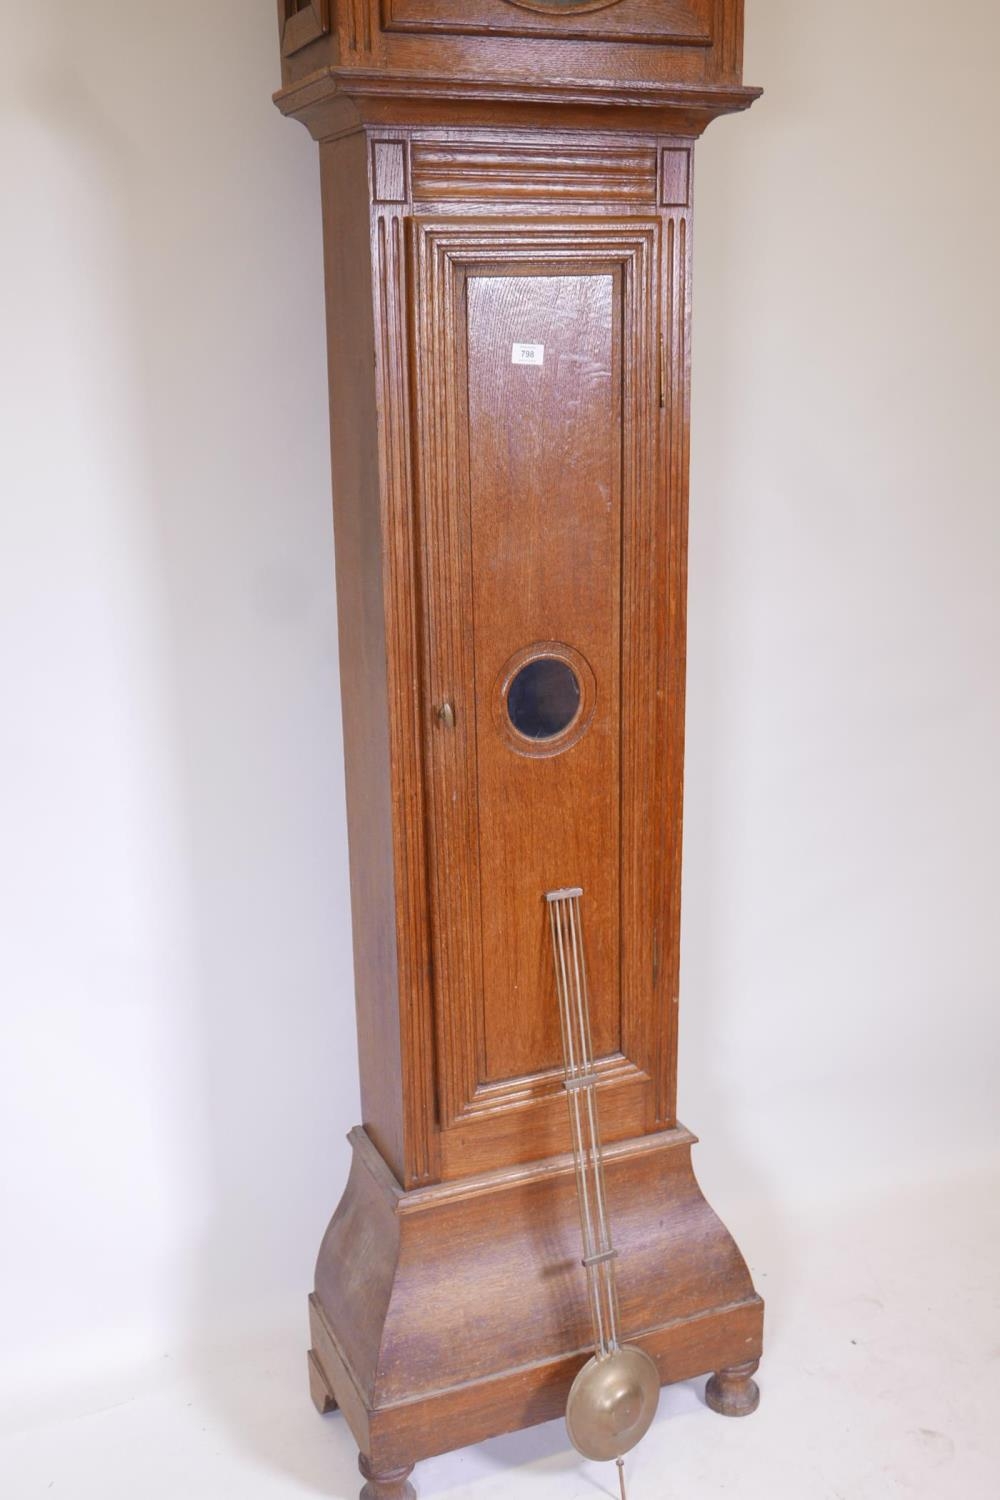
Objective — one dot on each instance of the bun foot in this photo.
(734, 1392)
(391, 1484)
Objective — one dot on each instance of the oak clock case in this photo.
(507, 204)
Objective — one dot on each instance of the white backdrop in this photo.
(177, 1042)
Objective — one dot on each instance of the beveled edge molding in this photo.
(336, 100)
(390, 176)
(446, 169)
(537, 1088)
(432, 1195)
(441, 246)
(578, 726)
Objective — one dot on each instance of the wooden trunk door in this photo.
(543, 536)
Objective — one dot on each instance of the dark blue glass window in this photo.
(544, 698)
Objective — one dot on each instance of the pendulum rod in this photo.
(614, 1396)
(599, 1254)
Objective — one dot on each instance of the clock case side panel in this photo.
(377, 618)
(413, 1039)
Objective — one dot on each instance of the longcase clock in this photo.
(507, 201)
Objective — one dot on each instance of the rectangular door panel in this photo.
(537, 397)
(545, 481)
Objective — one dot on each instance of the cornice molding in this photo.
(336, 100)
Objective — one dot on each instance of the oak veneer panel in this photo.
(663, 22)
(628, 565)
(376, 583)
(389, 171)
(486, 1320)
(361, 605)
(545, 521)
(675, 177)
(446, 168)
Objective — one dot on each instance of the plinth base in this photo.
(454, 1313)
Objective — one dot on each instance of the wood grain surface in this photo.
(546, 519)
(545, 509)
(501, 173)
(451, 1314)
(521, 45)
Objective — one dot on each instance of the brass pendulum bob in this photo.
(612, 1403)
(614, 1398)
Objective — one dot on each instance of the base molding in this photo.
(443, 1317)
